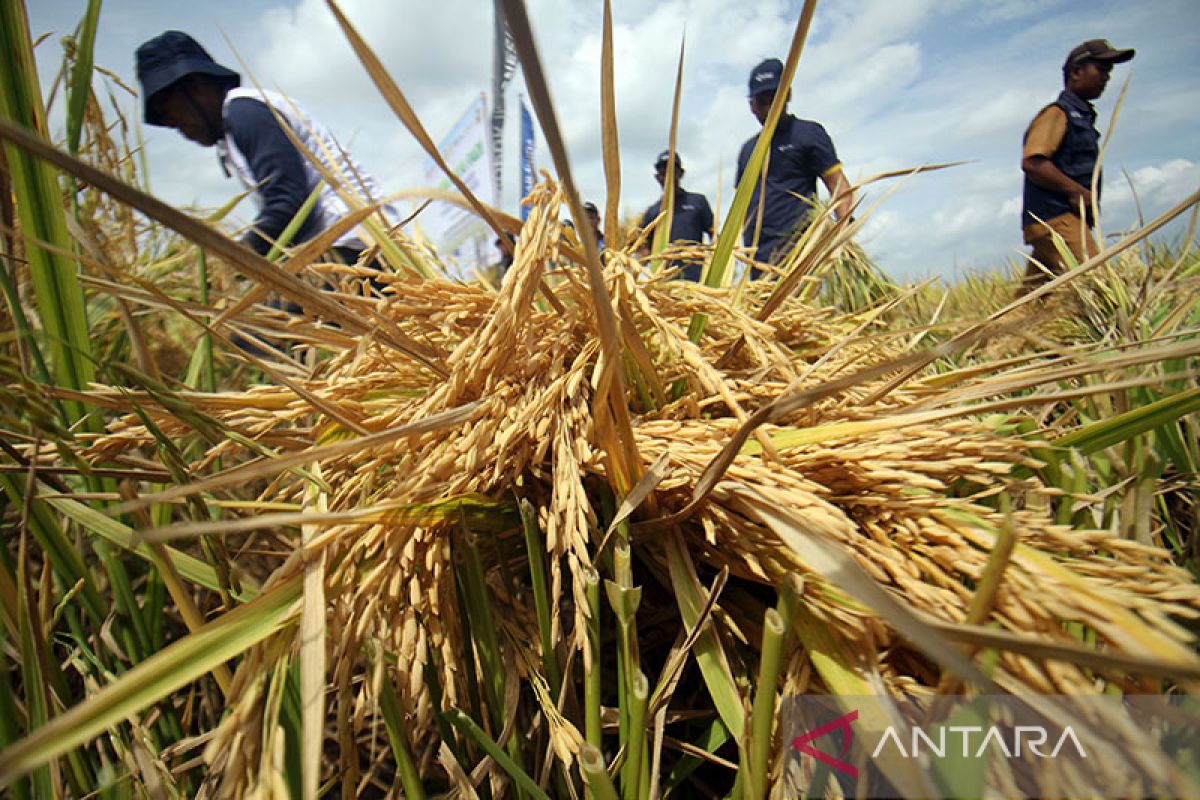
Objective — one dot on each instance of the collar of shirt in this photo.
(1077, 103)
(783, 129)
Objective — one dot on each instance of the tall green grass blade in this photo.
(610, 146)
(475, 702)
(483, 628)
(433, 684)
(290, 721)
(32, 656)
(1123, 427)
(595, 773)
(762, 714)
(28, 343)
(59, 295)
(202, 373)
(169, 578)
(519, 776)
(151, 680)
(298, 219)
(714, 666)
(593, 730)
(96, 522)
(53, 540)
(10, 730)
(81, 75)
(536, 550)
(406, 765)
(662, 236)
(637, 696)
(124, 599)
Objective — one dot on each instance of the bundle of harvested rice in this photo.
(871, 515)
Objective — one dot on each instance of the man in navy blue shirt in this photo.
(801, 152)
(183, 88)
(691, 218)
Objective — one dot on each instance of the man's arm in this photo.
(1041, 170)
(840, 192)
(277, 167)
(1042, 141)
(823, 160)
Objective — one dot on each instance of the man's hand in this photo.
(1042, 171)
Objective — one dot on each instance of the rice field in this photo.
(580, 534)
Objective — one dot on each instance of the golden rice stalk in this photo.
(880, 470)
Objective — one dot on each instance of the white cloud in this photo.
(1156, 187)
(1161, 183)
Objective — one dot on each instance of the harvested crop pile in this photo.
(871, 518)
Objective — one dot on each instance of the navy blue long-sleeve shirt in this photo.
(278, 169)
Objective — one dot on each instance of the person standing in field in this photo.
(185, 89)
(801, 152)
(593, 215)
(1059, 158)
(691, 216)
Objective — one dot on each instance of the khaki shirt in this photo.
(1045, 133)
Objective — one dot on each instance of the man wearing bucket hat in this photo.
(1059, 158)
(183, 88)
(691, 216)
(801, 152)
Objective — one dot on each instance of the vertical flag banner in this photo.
(504, 64)
(463, 240)
(527, 168)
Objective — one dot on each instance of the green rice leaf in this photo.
(1123, 427)
(162, 673)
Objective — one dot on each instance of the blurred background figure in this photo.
(691, 217)
(593, 215)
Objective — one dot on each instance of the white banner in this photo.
(464, 241)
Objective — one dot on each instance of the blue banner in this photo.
(527, 176)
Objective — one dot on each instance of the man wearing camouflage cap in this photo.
(1059, 159)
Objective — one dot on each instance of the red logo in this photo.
(802, 744)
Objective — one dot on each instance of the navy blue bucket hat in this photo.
(167, 58)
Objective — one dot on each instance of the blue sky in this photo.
(897, 83)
